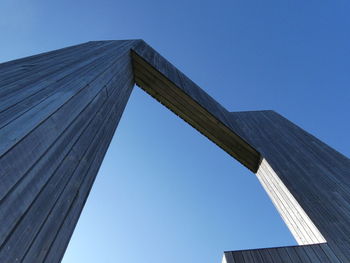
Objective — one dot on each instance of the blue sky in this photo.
(165, 192)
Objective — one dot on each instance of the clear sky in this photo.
(164, 192)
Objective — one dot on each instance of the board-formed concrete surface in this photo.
(59, 111)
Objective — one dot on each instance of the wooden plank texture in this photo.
(57, 122)
(59, 111)
(292, 254)
(308, 181)
(171, 87)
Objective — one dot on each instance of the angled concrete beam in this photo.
(59, 111)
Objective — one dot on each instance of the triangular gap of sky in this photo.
(288, 56)
(166, 193)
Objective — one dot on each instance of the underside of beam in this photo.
(183, 97)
